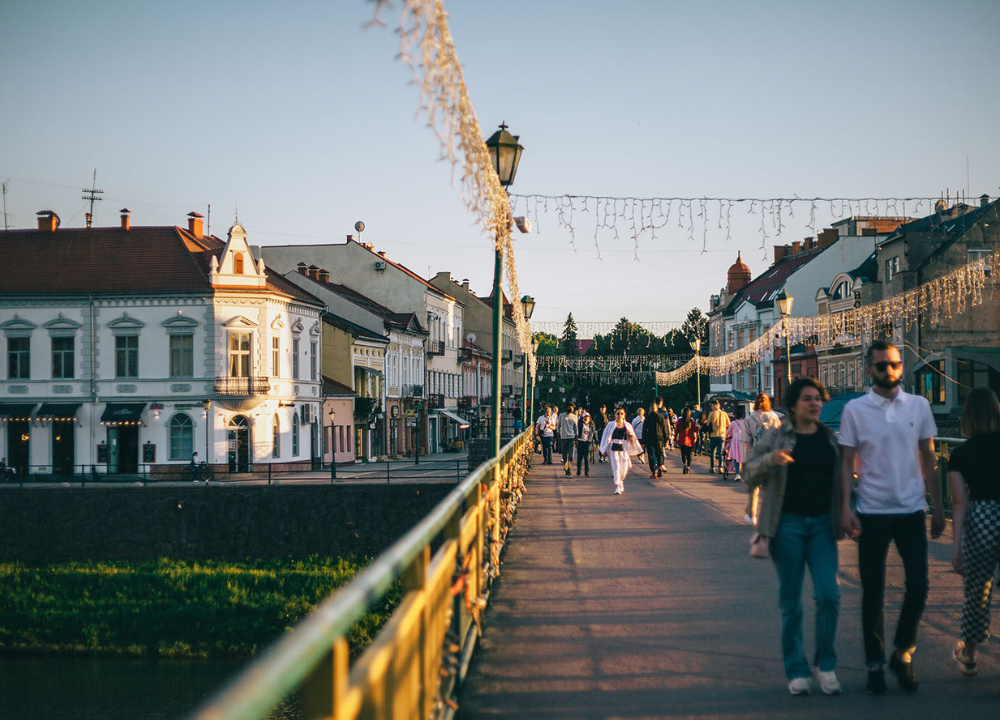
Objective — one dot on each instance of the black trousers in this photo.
(909, 533)
(583, 455)
(686, 455)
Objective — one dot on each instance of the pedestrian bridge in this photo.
(644, 605)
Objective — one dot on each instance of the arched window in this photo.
(276, 437)
(295, 435)
(238, 263)
(181, 436)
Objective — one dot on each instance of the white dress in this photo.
(620, 459)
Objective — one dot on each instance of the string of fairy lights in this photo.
(611, 363)
(698, 218)
(593, 329)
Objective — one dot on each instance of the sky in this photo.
(300, 116)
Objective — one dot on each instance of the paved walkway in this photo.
(647, 605)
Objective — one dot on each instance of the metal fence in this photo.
(414, 666)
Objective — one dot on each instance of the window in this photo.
(19, 358)
(238, 263)
(181, 437)
(843, 291)
(275, 357)
(182, 356)
(62, 357)
(977, 254)
(891, 268)
(312, 360)
(930, 383)
(127, 356)
(295, 358)
(975, 374)
(276, 437)
(295, 435)
(239, 354)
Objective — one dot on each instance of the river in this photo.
(85, 688)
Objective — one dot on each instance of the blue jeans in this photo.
(798, 542)
(547, 449)
(715, 451)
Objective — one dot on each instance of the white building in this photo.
(129, 349)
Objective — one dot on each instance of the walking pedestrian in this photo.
(760, 419)
(671, 417)
(654, 435)
(601, 421)
(567, 437)
(887, 438)
(797, 468)
(732, 446)
(585, 438)
(637, 423)
(618, 443)
(545, 427)
(686, 435)
(976, 549)
(716, 424)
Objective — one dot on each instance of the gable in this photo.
(236, 266)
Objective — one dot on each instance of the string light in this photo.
(610, 363)
(593, 329)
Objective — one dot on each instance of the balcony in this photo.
(435, 347)
(242, 386)
(465, 354)
(413, 391)
(507, 389)
(435, 401)
(507, 355)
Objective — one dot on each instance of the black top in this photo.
(976, 460)
(618, 436)
(809, 490)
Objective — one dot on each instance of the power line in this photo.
(92, 194)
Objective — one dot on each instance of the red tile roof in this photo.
(761, 290)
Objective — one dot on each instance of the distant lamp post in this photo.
(656, 387)
(695, 343)
(207, 404)
(531, 414)
(784, 302)
(333, 444)
(505, 154)
(528, 305)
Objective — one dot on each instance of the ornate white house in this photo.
(128, 349)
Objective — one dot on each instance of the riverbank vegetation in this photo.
(170, 608)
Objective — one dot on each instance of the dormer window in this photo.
(238, 263)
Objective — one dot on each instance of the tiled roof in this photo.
(353, 328)
(393, 318)
(112, 260)
(332, 388)
(762, 290)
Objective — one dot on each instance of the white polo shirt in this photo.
(886, 434)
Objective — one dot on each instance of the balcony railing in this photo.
(507, 355)
(242, 386)
(413, 391)
(435, 347)
(465, 354)
(435, 400)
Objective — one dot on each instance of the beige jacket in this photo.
(761, 471)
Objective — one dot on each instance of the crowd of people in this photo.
(809, 487)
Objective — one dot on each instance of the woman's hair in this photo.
(741, 412)
(796, 388)
(763, 402)
(686, 419)
(981, 414)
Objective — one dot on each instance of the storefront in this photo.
(123, 421)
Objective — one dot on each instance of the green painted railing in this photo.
(413, 667)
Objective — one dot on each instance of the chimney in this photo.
(940, 206)
(324, 275)
(48, 221)
(303, 268)
(350, 238)
(465, 284)
(984, 200)
(796, 247)
(196, 224)
(126, 224)
(828, 237)
(780, 251)
(314, 272)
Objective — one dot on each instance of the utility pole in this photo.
(92, 194)
(5, 207)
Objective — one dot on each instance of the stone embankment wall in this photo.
(219, 522)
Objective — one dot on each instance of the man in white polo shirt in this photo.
(887, 438)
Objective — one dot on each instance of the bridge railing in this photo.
(417, 660)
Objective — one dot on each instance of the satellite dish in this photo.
(359, 226)
(471, 337)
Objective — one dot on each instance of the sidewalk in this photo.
(647, 605)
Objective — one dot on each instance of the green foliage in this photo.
(548, 344)
(627, 338)
(568, 339)
(696, 325)
(170, 607)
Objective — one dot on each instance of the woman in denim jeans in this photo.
(797, 467)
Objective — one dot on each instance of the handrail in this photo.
(287, 664)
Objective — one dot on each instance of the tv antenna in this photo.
(92, 194)
(5, 206)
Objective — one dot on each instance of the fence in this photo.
(944, 446)
(447, 564)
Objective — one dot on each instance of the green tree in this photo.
(568, 341)
(696, 325)
(548, 344)
(627, 338)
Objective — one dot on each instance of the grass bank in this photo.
(169, 608)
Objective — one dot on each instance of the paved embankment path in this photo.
(647, 605)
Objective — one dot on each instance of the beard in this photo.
(887, 384)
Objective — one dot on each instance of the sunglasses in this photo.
(882, 366)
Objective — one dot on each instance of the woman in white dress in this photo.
(617, 444)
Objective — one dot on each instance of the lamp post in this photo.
(784, 302)
(528, 304)
(207, 404)
(333, 444)
(695, 343)
(505, 153)
(531, 414)
(655, 364)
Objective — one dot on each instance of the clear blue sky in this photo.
(308, 122)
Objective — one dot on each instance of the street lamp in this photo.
(333, 444)
(655, 364)
(695, 343)
(531, 413)
(784, 302)
(207, 404)
(505, 154)
(528, 305)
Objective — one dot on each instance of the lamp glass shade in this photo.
(505, 154)
(528, 303)
(695, 343)
(784, 302)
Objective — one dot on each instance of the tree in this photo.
(627, 338)
(548, 344)
(570, 347)
(696, 325)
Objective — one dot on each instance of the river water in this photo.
(84, 688)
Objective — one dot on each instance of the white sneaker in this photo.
(799, 686)
(827, 681)
(618, 491)
(748, 520)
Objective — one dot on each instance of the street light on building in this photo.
(528, 305)
(695, 343)
(505, 154)
(784, 302)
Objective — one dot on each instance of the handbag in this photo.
(760, 546)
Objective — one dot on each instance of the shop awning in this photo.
(463, 424)
(58, 411)
(123, 414)
(16, 411)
